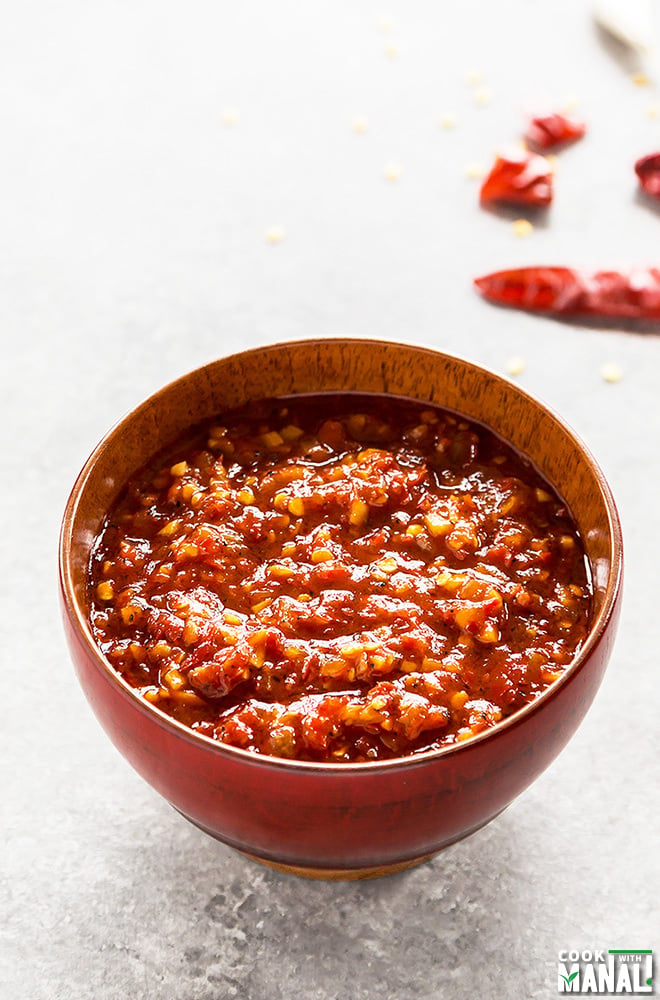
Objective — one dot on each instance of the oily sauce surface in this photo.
(339, 577)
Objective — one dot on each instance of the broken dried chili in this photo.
(519, 178)
(551, 131)
(647, 169)
(633, 294)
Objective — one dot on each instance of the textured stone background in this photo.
(132, 248)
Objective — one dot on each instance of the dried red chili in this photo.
(519, 178)
(634, 294)
(647, 169)
(550, 131)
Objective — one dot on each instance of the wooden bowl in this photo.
(342, 820)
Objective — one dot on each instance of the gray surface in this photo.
(133, 249)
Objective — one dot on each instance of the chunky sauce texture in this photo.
(339, 577)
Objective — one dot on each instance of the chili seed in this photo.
(611, 372)
(105, 591)
(522, 227)
(275, 234)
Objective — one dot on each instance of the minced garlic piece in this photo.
(459, 699)
(291, 432)
(272, 439)
(437, 525)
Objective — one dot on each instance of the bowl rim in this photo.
(81, 625)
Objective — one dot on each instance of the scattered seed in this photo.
(447, 121)
(360, 125)
(391, 51)
(392, 172)
(522, 227)
(640, 79)
(275, 234)
(230, 116)
(482, 96)
(473, 77)
(611, 372)
(653, 110)
(385, 24)
(475, 171)
(515, 365)
(570, 104)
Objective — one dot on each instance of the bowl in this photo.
(342, 820)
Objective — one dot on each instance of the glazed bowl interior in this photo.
(345, 365)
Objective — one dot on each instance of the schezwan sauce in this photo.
(339, 577)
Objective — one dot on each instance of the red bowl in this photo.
(342, 820)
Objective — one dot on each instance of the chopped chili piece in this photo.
(519, 178)
(339, 577)
(551, 131)
(647, 169)
(633, 294)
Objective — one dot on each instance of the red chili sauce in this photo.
(339, 577)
